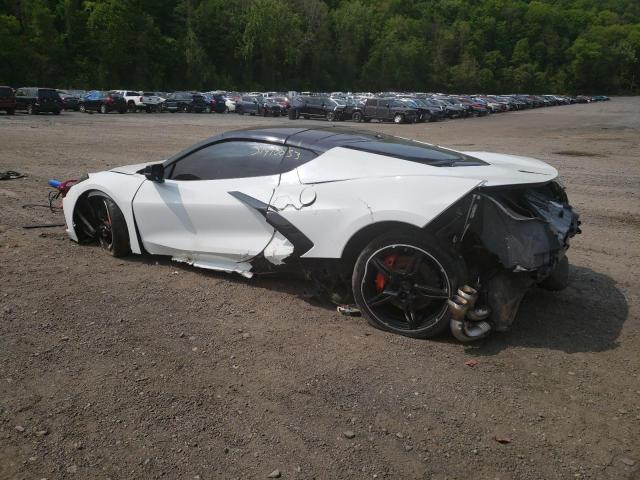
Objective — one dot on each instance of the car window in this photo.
(372, 103)
(20, 92)
(233, 159)
(47, 93)
(5, 92)
(415, 151)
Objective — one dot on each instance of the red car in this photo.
(7, 100)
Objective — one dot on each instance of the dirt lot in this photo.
(142, 368)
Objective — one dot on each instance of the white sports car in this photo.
(419, 237)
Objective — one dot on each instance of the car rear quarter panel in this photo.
(341, 209)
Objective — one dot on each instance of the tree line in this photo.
(537, 46)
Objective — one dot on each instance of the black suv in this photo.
(385, 109)
(187, 102)
(36, 100)
(319, 107)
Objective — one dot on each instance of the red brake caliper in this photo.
(380, 280)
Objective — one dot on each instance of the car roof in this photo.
(318, 139)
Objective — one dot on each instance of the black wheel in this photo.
(109, 225)
(559, 278)
(185, 109)
(356, 117)
(104, 109)
(11, 111)
(207, 109)
(401, 283)
(83, 109)
(331, 116)
(122, 111)
(56, 112)
(398, 118)
(293, 114)
(131, 106)
(30, 109)
(306, 117)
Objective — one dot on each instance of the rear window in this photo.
(415, 152)
(47, 93)
(6, 92)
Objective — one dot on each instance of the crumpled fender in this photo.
(120, 187)
(341, 209)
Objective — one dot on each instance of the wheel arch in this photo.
(124, 188)
(362, 237)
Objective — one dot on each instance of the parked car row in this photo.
(417, 107)
(397, 107)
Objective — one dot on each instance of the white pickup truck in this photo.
(152, 102)
(133, 99)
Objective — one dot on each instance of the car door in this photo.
(371, 108)
(21, 103)
(200, 213)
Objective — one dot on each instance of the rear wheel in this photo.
(357, 117)
(11, 111)
(56, 112)
(30, 109)
(131, 106)
(398, 118)
(83, 109)
(331, 116)
(104, 109)
(401, 283)
(207, 109)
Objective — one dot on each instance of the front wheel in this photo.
(398, 118)
(109, 224)
(11, 111)
(356, 117)
(30, 109)
(104, 109)
(331, 116)
(401, 282)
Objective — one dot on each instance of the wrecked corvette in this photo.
(421, 238)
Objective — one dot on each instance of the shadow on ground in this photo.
(586, 317)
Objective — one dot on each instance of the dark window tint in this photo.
(47, 93)
(235, 159)
(372, 103)
(5, 92)
(415, 152)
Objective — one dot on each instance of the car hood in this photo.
(500, 169)
(131, 169)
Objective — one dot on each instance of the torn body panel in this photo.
(211, 262)
(510, 239)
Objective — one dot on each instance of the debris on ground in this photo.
(471, 363)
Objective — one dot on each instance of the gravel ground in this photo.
(143, 368)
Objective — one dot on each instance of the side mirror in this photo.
(154, 172)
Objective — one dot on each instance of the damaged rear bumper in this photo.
(510, 238)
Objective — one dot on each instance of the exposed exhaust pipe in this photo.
(461, 308)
